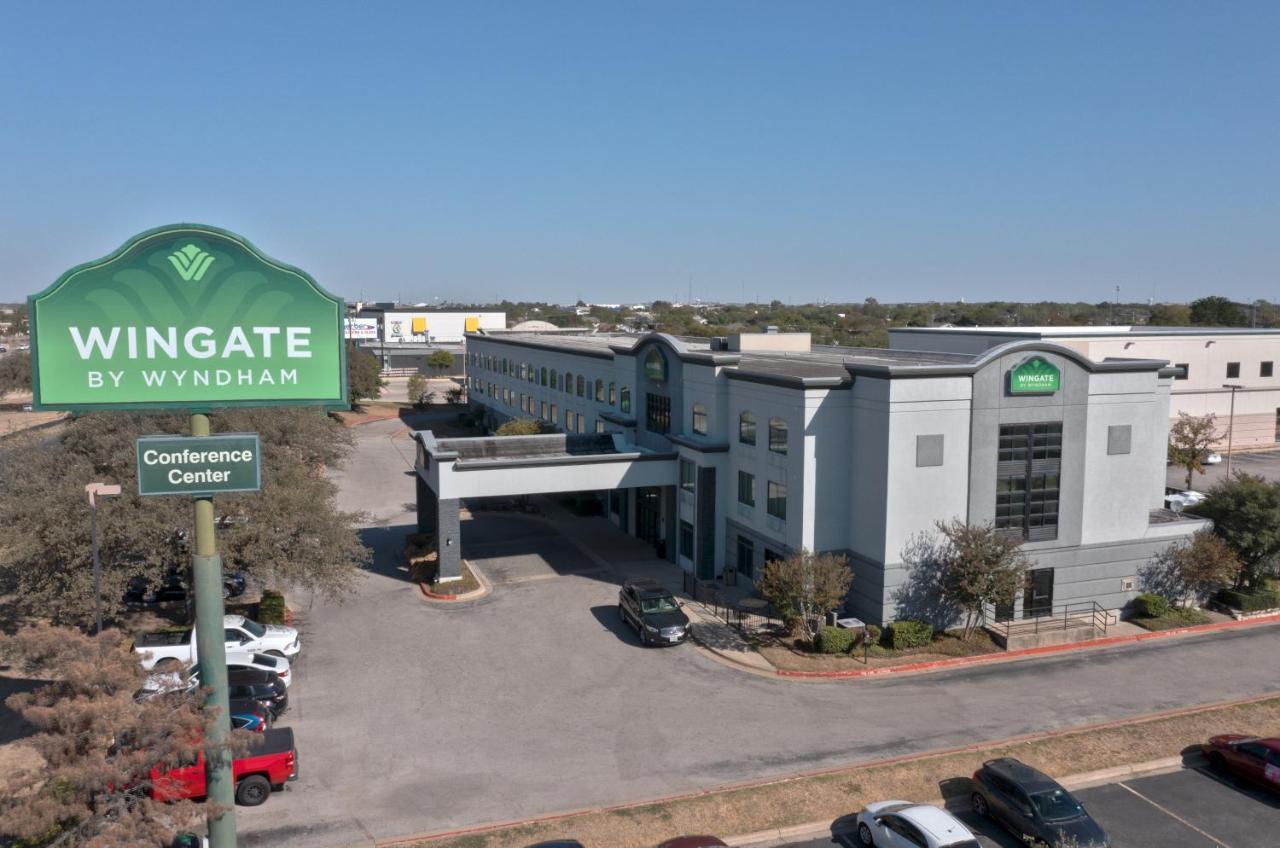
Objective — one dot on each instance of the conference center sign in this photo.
(186, 316)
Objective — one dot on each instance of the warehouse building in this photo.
(1211, 360)
(725, 453)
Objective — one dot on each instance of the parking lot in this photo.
(412, 717)
(1265, 464)
(1191, 807)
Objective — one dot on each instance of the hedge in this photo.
(1245, 601)
(271, 608)
(908, 634)
(834, 640)
(1150, 605)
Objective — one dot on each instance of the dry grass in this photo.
(781, 651)
(828, 796)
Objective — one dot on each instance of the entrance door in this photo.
(1037, 598)
(649, 514)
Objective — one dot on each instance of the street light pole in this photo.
(97, 490)
(1231, 422)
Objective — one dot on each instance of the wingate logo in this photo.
(1036, 376)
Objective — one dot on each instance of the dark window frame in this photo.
(779, 436)
(1267, 368)
(699, 419)
(688, 475)
(776, 500)
(746, 427)
(657, 413)
(1029, 480)
(1233, 370)
(749, 479)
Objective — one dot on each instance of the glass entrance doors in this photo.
(649, 515)
(1037, 597)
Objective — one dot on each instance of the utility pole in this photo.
(98, 490)
(206, 567)
(1231, 422)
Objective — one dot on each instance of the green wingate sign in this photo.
(186, 316)
(1036, 376)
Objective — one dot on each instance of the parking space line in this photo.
(1171, 814)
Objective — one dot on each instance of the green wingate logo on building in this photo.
(1036, 376)
(190, 262)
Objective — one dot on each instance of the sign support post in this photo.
(206, 568)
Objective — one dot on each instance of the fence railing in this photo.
(1047, 618)
(729, 611)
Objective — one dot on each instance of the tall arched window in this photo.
(699, 419)
(568, 382)
(599, 390)
(777, 435)
(542, 376)
(655, 365)
(624, 399)
(552, 382)
(613, 394)
(582, 385)
(747, 428)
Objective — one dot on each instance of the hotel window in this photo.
(746, 489)
(777, 435)
(686, 539)
(582, 386)
(777, 500)
(657, 410)
(542, 376)
(1266, 369)
(568, 382)
(555, 413)
(746, 557)
(1233, 370)
(524, 370)
(551, 383)
(747, 428)
(1028, 479)
(504, 365)
(568, 420)
(599, 426)
(599, 391)
(613, 394)
(699, 419)
(544, 411)
(624, 399)
(688, 475)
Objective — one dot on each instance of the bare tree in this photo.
(806, 586)
(1193, 570)
(979, 567)
(96, 743)
(1190, 439)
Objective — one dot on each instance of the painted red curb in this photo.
(288, 616)
(436, 597)
(768, 781)
(1030, 652)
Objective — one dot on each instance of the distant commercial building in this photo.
(726, 453)
(1209, 359)
(399, 325)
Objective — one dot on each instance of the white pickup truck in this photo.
(177, 649)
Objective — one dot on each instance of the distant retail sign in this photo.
(199, 465)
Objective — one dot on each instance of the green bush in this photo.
(908, 634)
(873, 635)
(834, 640)
(1150, 605)
(271, 607)
(1246, 601)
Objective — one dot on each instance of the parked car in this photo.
(1033, 806)
(903, 824)
(175, 649)
(248, 714)
(1211, 458)
(1178, 500)
(1247, 757)
(653, 611)
(270, 762)
(173, 587)
(266, 662)
(264, 687)
(694, 842)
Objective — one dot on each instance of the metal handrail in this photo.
(1089, 611)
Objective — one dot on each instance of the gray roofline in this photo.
(602, 353)
(991, 354)
(695, 444)
(538, 461)
(788, 382)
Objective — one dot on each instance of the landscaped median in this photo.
(421, 559)
(824, 796)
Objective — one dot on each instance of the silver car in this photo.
(903, 824)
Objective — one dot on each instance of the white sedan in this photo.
(902, 824)
(1211, 458)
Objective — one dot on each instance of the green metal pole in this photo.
(206, 567)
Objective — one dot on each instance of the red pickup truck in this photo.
(270, 762)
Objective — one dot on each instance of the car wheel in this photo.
(980, 805)
(253, 790)
(168, 664)
(864, 834)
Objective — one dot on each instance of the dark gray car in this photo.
(1033, 806)
(654, 612)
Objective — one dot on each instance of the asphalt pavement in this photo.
(411, 717)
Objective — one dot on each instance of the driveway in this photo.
(413, 717)
(1265, 464)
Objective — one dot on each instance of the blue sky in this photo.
(611, 151)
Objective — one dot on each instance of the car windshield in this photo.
(664, 604)
(964, 843)
(1056, 805)
(255, 629)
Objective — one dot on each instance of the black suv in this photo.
(1033, 806)
(653, 612)
(256, 684)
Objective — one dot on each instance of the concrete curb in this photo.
(1027, 653)
(432, 836)
(485, 588)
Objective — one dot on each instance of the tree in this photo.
(979, 567)
(96, 745)
(1215, 311)
(1190, 438)
(15, 372)
(1246, 515)
(440, 360)
(364, 375)
(290, 533)
(1169, 315)
(804, 587)
(519, 427)
(1193, 570)
(455, 395)
(416, 389)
